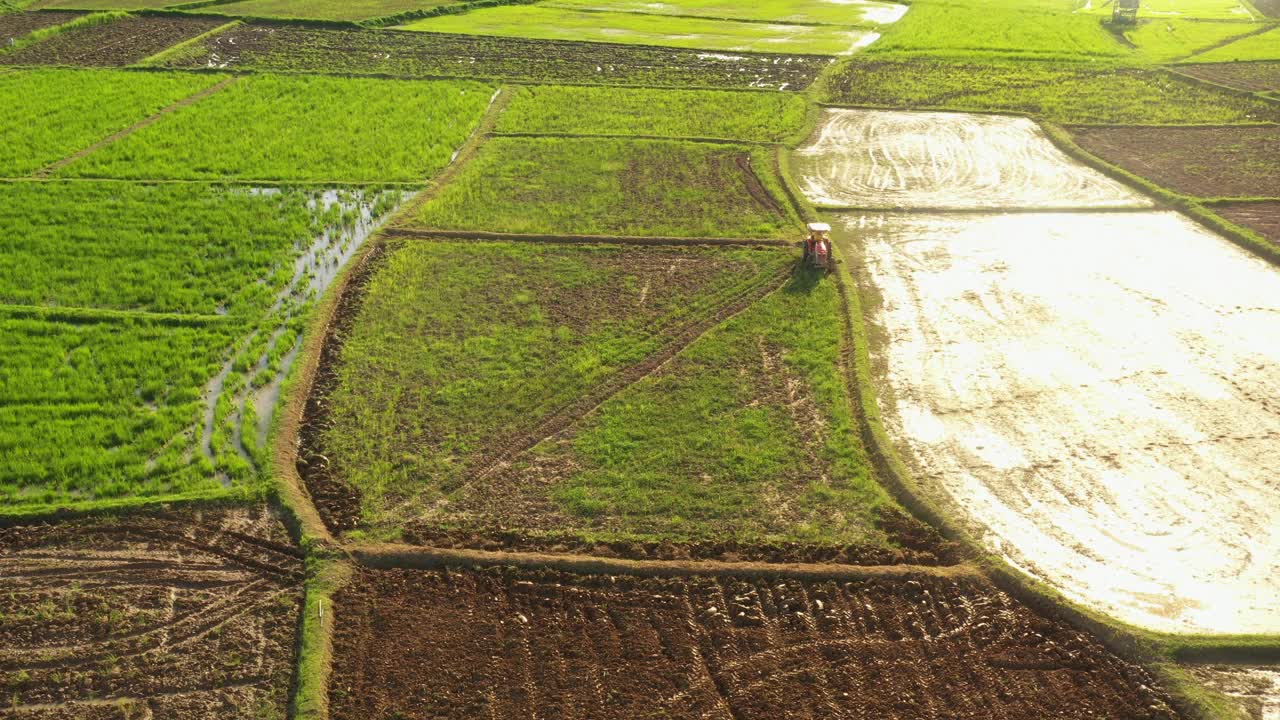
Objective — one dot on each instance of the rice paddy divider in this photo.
(621, 136)
(429, 235)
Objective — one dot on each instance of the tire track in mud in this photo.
(178, 612)
(946, 161)
(727, 648)
(565, 418)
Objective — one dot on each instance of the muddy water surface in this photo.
(1098, 393)
(881, 159)
(1255, 689)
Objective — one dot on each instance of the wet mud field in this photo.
(511, 644)
(1260, 217)
(114, 44)
(1100, 405)
(884, 159)
(185, 615)
(1255, 689)
(419, 54)
(1197, 161)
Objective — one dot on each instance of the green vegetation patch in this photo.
(1174, 9)
(302, 128)
(1059, 92)
(556, 23)
(50, 114)
(323, 9)
(852, 13)
(614, 187)
(764, 117)
(1252, 76)
(1262, 46)
(993, 28)
(118, 304)
(110, 4)
(1162, 40)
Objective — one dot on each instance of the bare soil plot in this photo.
(114, 44)
(1255, 688)
(416, 54)
(507, 644)
(1270, 8)
(1096, 395)
(1255, 76)
(1197, 161)
(20, 24)
(189, 614)
(1263, 217)
(886, 159)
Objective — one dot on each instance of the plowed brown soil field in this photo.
(1255, 76)
(1261, 217)
(21, 24)
(114, 44)
(507, 644)
(184, 615)
(1196, 161)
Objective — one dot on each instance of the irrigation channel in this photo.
(1097, 394)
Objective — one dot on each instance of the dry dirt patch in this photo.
(1255, 76)
(20, 24)
(1197, 161)
(513, 644)
(183, 615)
(887, 159)
(1097, 395)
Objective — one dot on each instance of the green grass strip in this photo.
(325, 577)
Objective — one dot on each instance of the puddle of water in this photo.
(885, 160)
(1099, 394)
(1256, 689)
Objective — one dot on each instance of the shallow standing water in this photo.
(1099, 394)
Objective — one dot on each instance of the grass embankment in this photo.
(107, 405)
(50, 114)
(613, 187)
(299, 128)
(1064, 93)
(749, 116)
(548, 22)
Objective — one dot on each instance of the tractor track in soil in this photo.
(178, 614)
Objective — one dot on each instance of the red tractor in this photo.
(817, 247)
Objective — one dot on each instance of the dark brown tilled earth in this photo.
(507, 644)
(1255, 76)
(1261, 217)
(114, 44)
(20, 24)
(183, 615)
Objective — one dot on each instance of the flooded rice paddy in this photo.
(884, 160)
(1097, 394)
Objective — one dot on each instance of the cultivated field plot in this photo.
(548, 22)
(323, 9)
(598, 394)
(1255, 76)
(291, 128)
(998, 28)
(409, 54)
(1174, 9)
(133, 316)
(20, 24)
(881, 159)
(1095, 393)
(51, 114)
(866, 13)
(1201, 162)
(736, 115)
(1260, 46)
(1063, 93)
(1164, 39)
(572, 186)
(113, 44)
(1261, 217)
(189, 614)
(505, 644)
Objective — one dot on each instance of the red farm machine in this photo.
(817, 247)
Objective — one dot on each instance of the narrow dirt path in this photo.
(49, 170)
